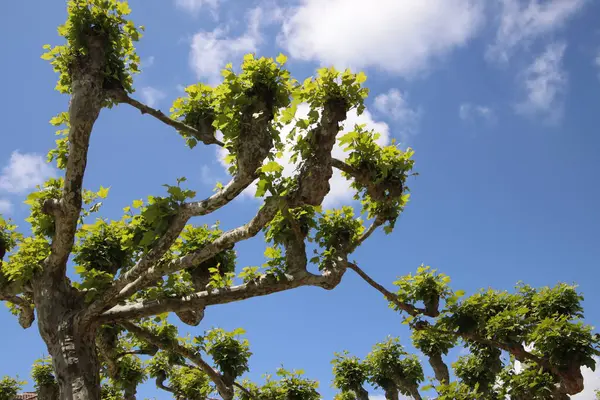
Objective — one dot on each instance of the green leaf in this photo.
(271, 166)
(138, 203)
(361, 77)
(460, 293)
(281, 59)
(103, 192)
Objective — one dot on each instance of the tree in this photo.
(135, 271)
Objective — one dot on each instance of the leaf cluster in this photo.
(96, 20)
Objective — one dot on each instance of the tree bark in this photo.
(71, 342)
(440, 368)
(48, 392)
(391, 393)
(361, 393)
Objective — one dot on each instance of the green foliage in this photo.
(432, 343)
(479, 368)
(280, 229)
(337, 231)
(349, 373)
(109, 391)
(382, 173)
(154, 218)
(229, 353)
(9, 237)
(61, 152)
(162, 363)
(26, 260)
(529, 383)
(565, 343)
(130, 372)
(9, 388)
(101, 251)
(42, 223)
(227, 106)
(290, 386)
(426, 286)
(389, 364)
(90, 22)
(43, 373)
(345, 396)
(190, 383)
(459, 391)
(221, 267)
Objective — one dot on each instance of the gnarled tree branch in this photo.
(112, 296)
(264, 286)
(409, 308)
(205, 137)
(147, 335)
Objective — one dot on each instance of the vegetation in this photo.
(109, 331)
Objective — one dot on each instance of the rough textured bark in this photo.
(361, 393)
(48, 392)
(69, 338)
(440, 369)
(224, 386)
(391, 393)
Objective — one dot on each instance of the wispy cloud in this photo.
(211, 51)
(523, 21)
(474, 112)
(24, 172)
(545, 83)
(193, 6)
(152, 96)
(394, 105)
(5, 206)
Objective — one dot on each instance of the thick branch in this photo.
(409, 308)
(517, 350)
(264, 215)
(265, 286)
(86, 102)
(112, 296)
(26, 314)
(204, 137)
(190, 354)
(160, 383)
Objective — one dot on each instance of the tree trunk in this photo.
(361, 393)
(75, 363)
(70, 341)
(391, 393)
(48, 392)
(440, 368)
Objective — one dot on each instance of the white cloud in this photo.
(211, 51)
(545, 83)
(194, 6)
(597, 62)
(24, 172)
(591, 381)
(148, 61)
(152, 96)
(340, 191)
(399, 36)
(393, 104)
(471, 112)
(522, 21)
(5, 206)
(206, 175)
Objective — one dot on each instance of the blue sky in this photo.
(498, 98)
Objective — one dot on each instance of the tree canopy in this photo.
(113, 327)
